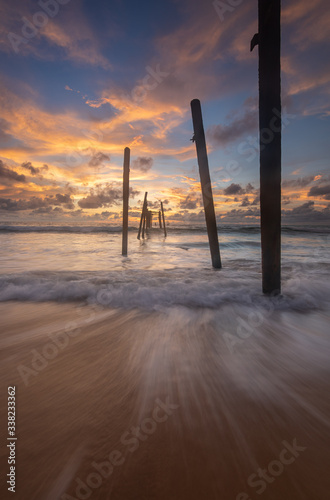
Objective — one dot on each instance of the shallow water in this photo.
(69, 264)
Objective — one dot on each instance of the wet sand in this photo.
(143, 406)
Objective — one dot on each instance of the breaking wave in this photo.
(154, 290)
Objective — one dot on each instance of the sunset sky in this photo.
(82, 80)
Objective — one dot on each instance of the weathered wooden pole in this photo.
(127, 152)
(142, 214)
(211, 224)
(269, 41)
(160, 219)
(144, 224)
(148, 219)
(163, 216)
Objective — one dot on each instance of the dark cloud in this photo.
(36, 203)
(240, 214)
(306, 214)
(15, 205)
(142, 163)
(323, 191)
(98, 158)
(71, 189)
(305, 208)
(107, 215)
(256, 200)
(298, 183)
(49, 211)
(237, 189)
(249, 188)
(233, 189)
(245, 202)
(33, 170)
(104, 196)
(76, 213)
(190, 202)
(101, 198)
(136, 213)
(153, 204)
(61, 199)
(186, 217)
(221, 135)
(10, 175)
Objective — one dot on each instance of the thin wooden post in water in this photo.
(142, 215)
(148, 219)
(164, 225)
(127, 152)
(211, 224)
(160, 219)
(269, 41)
(144, 224)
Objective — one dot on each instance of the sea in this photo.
(84, 263)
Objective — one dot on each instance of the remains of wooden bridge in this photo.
(269, 41)
(147, 216)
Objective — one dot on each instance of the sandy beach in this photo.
(135, 405)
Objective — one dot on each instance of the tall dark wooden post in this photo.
(144, 208)
(269, 41)
(160, 219)
(127, 152)
(163, 216)
(211, 224)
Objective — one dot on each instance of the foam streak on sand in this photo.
(235, 408)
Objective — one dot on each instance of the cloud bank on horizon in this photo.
(82, 81)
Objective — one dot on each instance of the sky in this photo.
(82, 80)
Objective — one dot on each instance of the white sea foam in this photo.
(158, 289)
